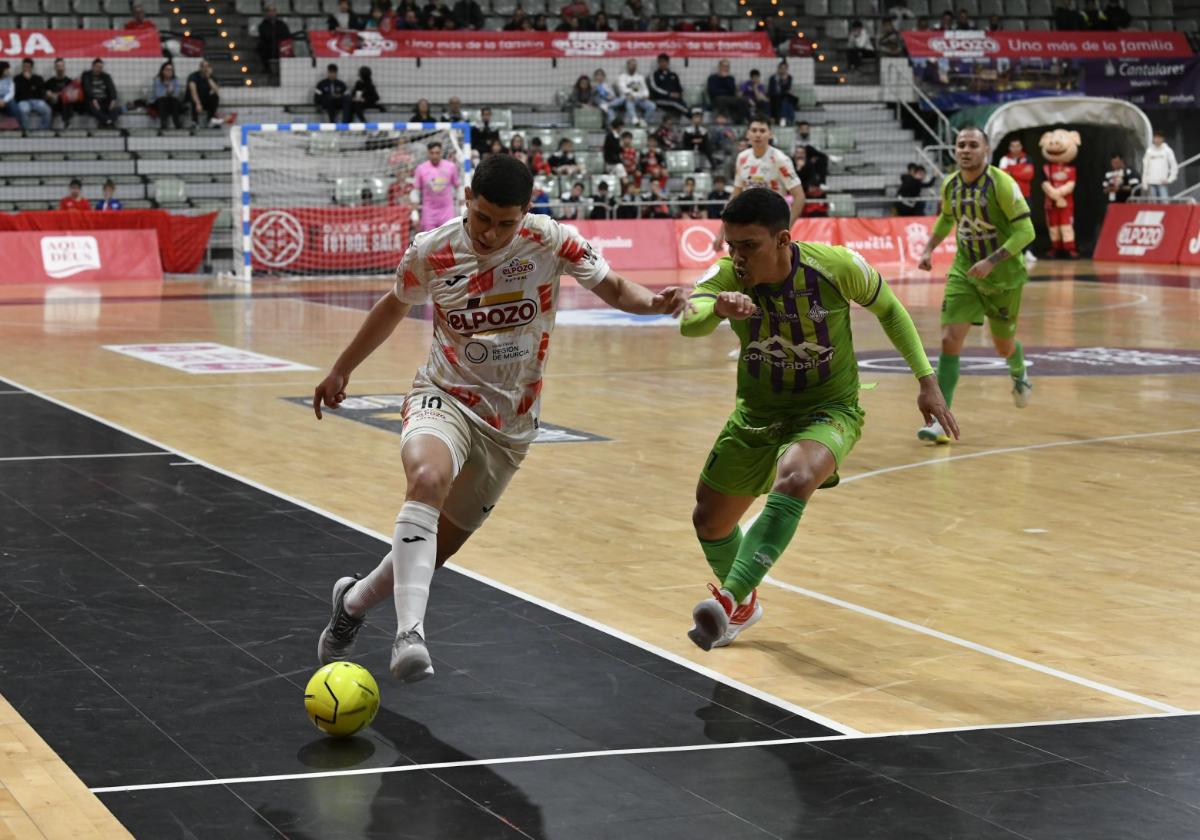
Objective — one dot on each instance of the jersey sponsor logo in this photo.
(1144, 233)
(817, 313)
(518, 268)
(479, 353)
(973, 230)
(776, 352)
(494, 317)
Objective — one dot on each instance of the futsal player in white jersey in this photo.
(763, 165)
(493, 278)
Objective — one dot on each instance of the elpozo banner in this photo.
(1150, 233)
(79, 43)
(422, 44)
(1065, 45)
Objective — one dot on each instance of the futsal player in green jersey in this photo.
(988, 271)
(796, 416)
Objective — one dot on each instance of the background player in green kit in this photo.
(797, 414)
(988, 273)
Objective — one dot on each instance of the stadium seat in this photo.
(785, 137)
(837, 29)
(587, 118)
(806, 97)
(703, 182)
(8, 22)
(26, 7)
(841, 204)
(1016, 8)
(816, 8)
(743, 24)
(307, 8)
(725, 8)
(614, 8)
(681, 161)
(56, 7)
(697, 8)
(866, 9)
(920, 8)
(591, 161)
(1162, 8)
(504, 7)
(1188, 25)
(1041, 8)
(670, 8)
(322, 143)
(1038, 24)
(987, 8)
(548, 184)
(1138, 8)
(64, 22)
(972, 6)
(575, 135)
(169, 192)
(1014, 24)
(35, 22)
(534, 7)
(841, 138)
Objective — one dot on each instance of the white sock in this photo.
(371, 590)
(414, 552)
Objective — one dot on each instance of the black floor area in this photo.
(158, 622)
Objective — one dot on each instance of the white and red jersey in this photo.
(773, 170)
(493, 315)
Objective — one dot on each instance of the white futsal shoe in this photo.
(410, 656)
(746, 615)
(933, 432)
(337, 639)
(1022, 391)
(711, 617)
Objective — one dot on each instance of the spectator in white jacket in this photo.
(1159, 167)
(633, 90)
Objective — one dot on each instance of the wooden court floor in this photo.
(1041, 569)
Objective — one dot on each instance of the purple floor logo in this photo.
(1054, 361)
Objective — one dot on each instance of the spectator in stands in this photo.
(814, 157)
(538, 164)
(723, 144)
(912, 183)
(889, 43)
(652, 163)
(332, 96)
(858, 45)
(100, 94)
(947, 22)
(665, 89)
(363, 96)
(344, 19)
(272, 33)
(635, 94)
(723, 94)
(539, 23)
(1159, 167)
(630, 159)
(963, 21)
(421, 112)
(612, 149)
(755, 93)
(1118, 16)
(667, 138)
(713, 24)
(468, 15)
(108, 202)
(717, 198)
(518, 21)
(434, 13)
(58, 92)
(604, 206)
(574, 9)
(922, 24)
(687, 203)
(74, 199)
(435, 181)
(603, 96)
(541, 201)
(1120, 180)
(139, 19)
(563, 161)
(1067, 17)
(204, 94)
(572, 203)
(454, 111)
(695, 140)
(29, 92)
(600, 23)
(516, 148)
(899, 12)
(484, 133)
(994, 24)
(1098, 20)
(781, 100)
(583, 95)
(655, 204)
(8, 93)
(166, 98)
(636, 15)
(629, 208)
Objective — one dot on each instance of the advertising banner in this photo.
(16, 44)
(79, 256)
(631, 244)
(1144, 81)
(349, 239)
(412, 43)
(1189, 249)
(1067, 45)
(1143, 233)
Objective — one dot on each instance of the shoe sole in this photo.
(413, 667)
(734, 630)
(1023, 400)
(925, 434)
(711, 624)
(341, 585)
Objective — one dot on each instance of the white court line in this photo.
(530, 759)
(975, 646)
(72, 457)
(716, 676)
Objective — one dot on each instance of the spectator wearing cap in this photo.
(74, 199)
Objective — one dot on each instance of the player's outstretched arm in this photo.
(621, 293)
(380, 323)
(941, 229)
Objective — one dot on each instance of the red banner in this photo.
(182, 239)
(16, 44)
(1143, 233)
(963, 44)
(423, 44)
(328, 238)
(79, 257)
(628, 244)
(1189, 249)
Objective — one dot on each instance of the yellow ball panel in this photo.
(341, 698)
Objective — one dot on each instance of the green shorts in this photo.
(967, 303)
(742, 461)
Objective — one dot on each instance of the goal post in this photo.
(332, 199)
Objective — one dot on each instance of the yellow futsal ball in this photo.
(341, 698)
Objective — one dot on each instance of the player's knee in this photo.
(428, 483)
(706, 525)
(1004, 346)
(798, 482)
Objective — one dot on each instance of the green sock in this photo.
(720, 553)
(947, 376)
(1016, 362)
(763, 543)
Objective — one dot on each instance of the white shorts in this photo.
(482, 466)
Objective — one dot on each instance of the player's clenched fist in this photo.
(734, 305)
(330, 392)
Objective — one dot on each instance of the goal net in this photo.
(332, 200)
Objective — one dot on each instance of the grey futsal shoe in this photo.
(337, 639)
(410, 657)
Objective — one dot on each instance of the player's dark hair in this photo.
(982, 133)
(433, 144)
(504, 181)
(758, 206)
(762, 120)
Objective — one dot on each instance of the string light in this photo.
(749, 13)
(821, 57)
(237, 58)
(224, 34)
(245, 69)
(175, 10)
(219, 21)
(232, 45)
(835, 68)
(249, 82)
(187, 34)
(183, 21)
(781, 12)
(211, 10)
